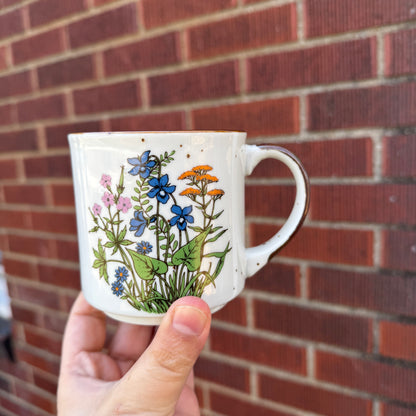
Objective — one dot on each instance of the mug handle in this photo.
(258, 256)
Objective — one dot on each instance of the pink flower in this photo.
(108, 199)
(124, 204)
(105, 180)
(96, 209)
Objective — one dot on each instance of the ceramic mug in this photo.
(160, 215)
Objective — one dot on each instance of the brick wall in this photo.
(329, 326)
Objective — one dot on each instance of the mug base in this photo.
(151, 319)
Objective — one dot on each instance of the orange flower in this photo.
(204, 168)
(216, 192)
(187, 174)
(190, 191)
(207, 177)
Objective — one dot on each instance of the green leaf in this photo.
(134, 198)
(126, 242)
(221, 261)
(122, 234)
(103, 272)
(149, 208)
(94, 230)
(109, 244)
(191, 253)
(146, 267)
(97, 264)
(215, 238)
(110, 236)
(196, 229)
(101, 250)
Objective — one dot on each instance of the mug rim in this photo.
(126, 132)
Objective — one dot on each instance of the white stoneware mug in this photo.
(160, 216)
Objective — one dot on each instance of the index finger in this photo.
(85, 330)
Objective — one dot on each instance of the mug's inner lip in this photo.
(157, 132)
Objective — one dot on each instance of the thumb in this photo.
(156, 380)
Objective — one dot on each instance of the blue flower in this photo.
(138, 223)
(117, 288)
(121, 274)
(182, 216)
(142, 166)
(160, 189)
(144, 247)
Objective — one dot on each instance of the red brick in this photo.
(63, 195)
(45, 382)
(258, 350)
(52, 106)
(104, 26)
(234, 312)
(56, 136)
(48, 167)
(50, 365)
(111, 97)
(101, 2)
(15, 84)
(39, 339)
(54, 222)
(24, 194)
(149, 122)
(45, 11)
(387, 380)
(25, 315)
(388, 409)
(7, 114)
(325, 17)
(17, 141)
(67, 250)
(276, 278)
(8, 169)
(37, 295)
(398, 340)
(213, 81)
(312, 399)
(34, 398)
(378, 203)
(66, 72)
(314, 325)
(15, 219)
(251, 30)
(59, 276)
(330, 63)
(399, 156)
(269, 200)
(399, 250)
(38, 46)
(398, 59)
(230, 406)
(11, 23)
(17, 408)
(163, 12)
(337, 158)
(383, 106)
(32, 246)
(148, 53)
(223, 373)
(379, 292)
(328, 245)
(19, 268)
(4, 61)
(258, 118)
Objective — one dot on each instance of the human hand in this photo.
(138, 375)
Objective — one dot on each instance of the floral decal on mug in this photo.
(177, 260)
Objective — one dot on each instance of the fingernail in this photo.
(189, 320)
